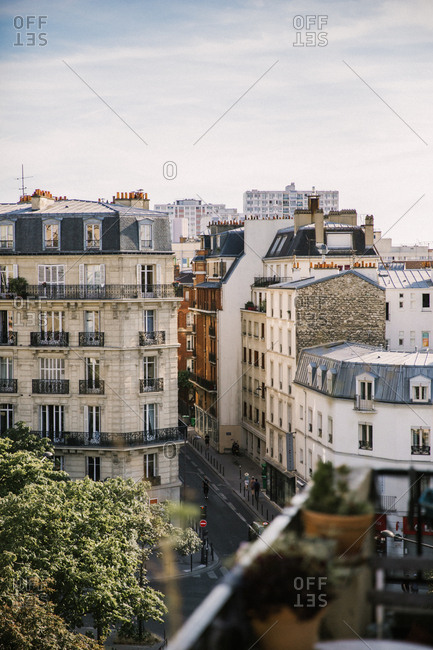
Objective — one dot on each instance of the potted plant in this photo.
(285, 591)
(18, 286)
(249, 305)
(335, 509)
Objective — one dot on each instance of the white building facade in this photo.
(283, 203)
(190, 217)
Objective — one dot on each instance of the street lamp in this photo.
(399, 538)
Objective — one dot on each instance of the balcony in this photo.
(153, 385)
(420, 450)
(365, 444)
(210, 386)
(363, 404)
(91, 387)
(153, 480)
(51, 339)
(266, 281)
(50, 386)
(103, 292)
(94, 339)
(115, 440)
(151, 338)
(9, 338)
(8, 385)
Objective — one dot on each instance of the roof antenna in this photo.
(23, 187)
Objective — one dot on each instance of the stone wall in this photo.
(343, 308)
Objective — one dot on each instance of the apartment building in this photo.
(190, 217)
(390, 253)
(88, 350)
(267, 204)
(363, 406)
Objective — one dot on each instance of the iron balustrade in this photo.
(50, 386)
(91, 339)
(363, 404)
(263, 281)
(151, 338)
(91, 386)
(116, 440)
(96, 291)
(8, 385)
(204, 383)
(6, 243)
(8, 338)
(56, 339)
(151, 385)
(420, 450)
(365, 445)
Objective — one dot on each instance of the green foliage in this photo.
(185, 541)
(330, 492)
(18, 286)
(183, 381)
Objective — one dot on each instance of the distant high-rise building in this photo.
(283, 203)
(190, 217)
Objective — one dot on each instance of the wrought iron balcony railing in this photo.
(151, 338)
(55, 339)
(420, 450)
(364, 404)
(95, 291)
(91, 339)
(365, 444)
(151, 385)
(8, 385)
(263, 281)
(50, 386)
(6, 243)
(9, 338)
(91, 386)
(116, 440)
(204, 383)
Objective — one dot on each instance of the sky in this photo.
(97, 96)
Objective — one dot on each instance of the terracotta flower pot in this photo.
(348, 530)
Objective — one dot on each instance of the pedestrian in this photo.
(205, 487)
(256, 488)
(206, 440)
(247, 480)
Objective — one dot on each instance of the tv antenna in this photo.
(21, 178)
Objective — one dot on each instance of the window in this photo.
(250, 356)
(59, 463)
(146, 240)
(6, 368)
(91, 321)
(387, 311)
(339, 240)
(319, 424)
(256, 358)
(365, 433)
(51, 275)
(51, 418)
(149, 372)
(148, 320)
(93, 469)
(92, 423)
(146, 278)
(93, 235)
(150, 419)
(330, 430)
(150, 466)
(92, 274)
(50, 368)
(420, 441)
(51, 325)
(6, 235)
(401, 337)
(420, 389)
(6, 417)
(263, 360)
(245, 355)
(245, 409)
(310, 420)
(330, 381)
(250, 412)
(92, 372)
(301, 412)
(51, 235)
(256, 416)
(412, 339)
(263, 420)
(7, 271)
(426, 301)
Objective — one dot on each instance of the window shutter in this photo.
(86, 419)
(41, 273)
(81, 274)
(158, 274)
(15, 270)
(102, 273)
(139, 275)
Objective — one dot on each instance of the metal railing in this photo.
(91, 387)
(104, 439)
(204, 383)
(420, 450)
(59, 339)
(151, 385)
(50, 386)
(8, 385)
(9, 338)
(96, 291)
(365, 444)
(151, 338)
(91, 339)
(263, 281)
(364, 404)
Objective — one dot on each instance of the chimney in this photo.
(42, 199)
(369, 231)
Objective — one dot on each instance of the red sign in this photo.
(203, 523)
(407, 530)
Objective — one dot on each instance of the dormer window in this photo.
(330, 377)
(311, 373)
(6, 236)
(92, 235)
(420, 389)
(51, 235)
(146, 236)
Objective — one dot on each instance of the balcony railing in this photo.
(8, 385)
(204, 383)
(117, 440)
(365, 444)
(95, 291)
(151, 338)
(9, 338)
(364, 404)
(93, 244)
(420, 450)
(55, 339)
(266, 281)
(151, 385)
(6, 243)
(51, 386)
(91, 339)
(91, 386)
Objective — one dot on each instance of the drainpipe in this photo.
(305, 437)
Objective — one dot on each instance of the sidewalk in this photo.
(232, 470)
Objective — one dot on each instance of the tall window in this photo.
(150, 465)
(145, 236)
(6, 236)
(6, 417)
(94, 274)
(147, 278)
(51, 368)
(319, 424)
(149, 364)
(51, 235)
(365, 432)
(149, 320)
(330, 430)
(93, 469)
(51, 419)
(91, 321)
(93, 235)
(420, 440)
(7, 271)
(93, 420)
(6, 368)
(150, 419)
(92, 372)
(51, 279)
(310, 419)
(426, 301)
(51, 321)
